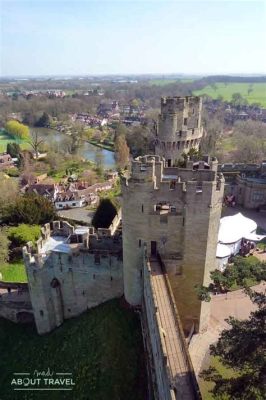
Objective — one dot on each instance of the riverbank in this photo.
(101, 145)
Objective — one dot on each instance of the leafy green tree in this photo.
(13, 149)
(105, 214)
(23, 233)
(242, 348)
(238, 100)
(30, 209)
(17, 129)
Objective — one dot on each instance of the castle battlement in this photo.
(61, 237)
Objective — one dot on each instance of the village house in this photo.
(48, 190)
(6, 161)
(69, 199)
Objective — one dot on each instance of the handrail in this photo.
(180, 330)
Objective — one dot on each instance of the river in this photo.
(87, 150)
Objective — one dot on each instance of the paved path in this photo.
(172, 343)
(236, 304)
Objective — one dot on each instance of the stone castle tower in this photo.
(175, 212)
(179, 127)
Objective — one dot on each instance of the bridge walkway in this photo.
(180, 370)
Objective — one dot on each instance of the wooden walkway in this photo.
(173, 342)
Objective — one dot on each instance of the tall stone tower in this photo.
(179, 127)
(176, 213)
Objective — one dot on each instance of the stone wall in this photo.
(65, 283)
(176, 212)
(68, 284)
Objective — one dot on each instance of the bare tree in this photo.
(35, 142)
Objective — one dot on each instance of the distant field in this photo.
(163, 82)
(6, 138)
(256, 95)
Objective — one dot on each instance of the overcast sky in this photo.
(119, 37)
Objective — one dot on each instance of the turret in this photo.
(179, 127)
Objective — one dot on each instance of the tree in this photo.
(238, 100)
(36, 142)
(23, 233)
(8, 192)
(242, 348)
(13, 149)
(17, 129)
(105, 214)
(30, 209)
(43, 121)
(4, 247)
(121, 151)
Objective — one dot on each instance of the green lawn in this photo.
(13, 272)
(6, 138)
(102, 348)
(205, 387)
(162, 82)
(227, 143)
(257, 95)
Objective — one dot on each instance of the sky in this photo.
(132, 37)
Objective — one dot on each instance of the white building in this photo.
(69, 200)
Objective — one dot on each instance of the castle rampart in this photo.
(72, 270)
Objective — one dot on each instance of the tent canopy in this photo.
(254, 237)
(223, 251)
(234, 228)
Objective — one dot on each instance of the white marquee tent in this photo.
(231, 232)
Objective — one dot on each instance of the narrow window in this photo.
(183, 221)
(41, 313)
(139, 242)
(185, 121)
(142, 208)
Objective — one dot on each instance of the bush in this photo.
(13, 149)
(13, 172)
(20, 235)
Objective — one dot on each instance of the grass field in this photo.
(205, 387)
(163, 82)
(102, 349)
(6, 138)
(257, 94)
(13, 272)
